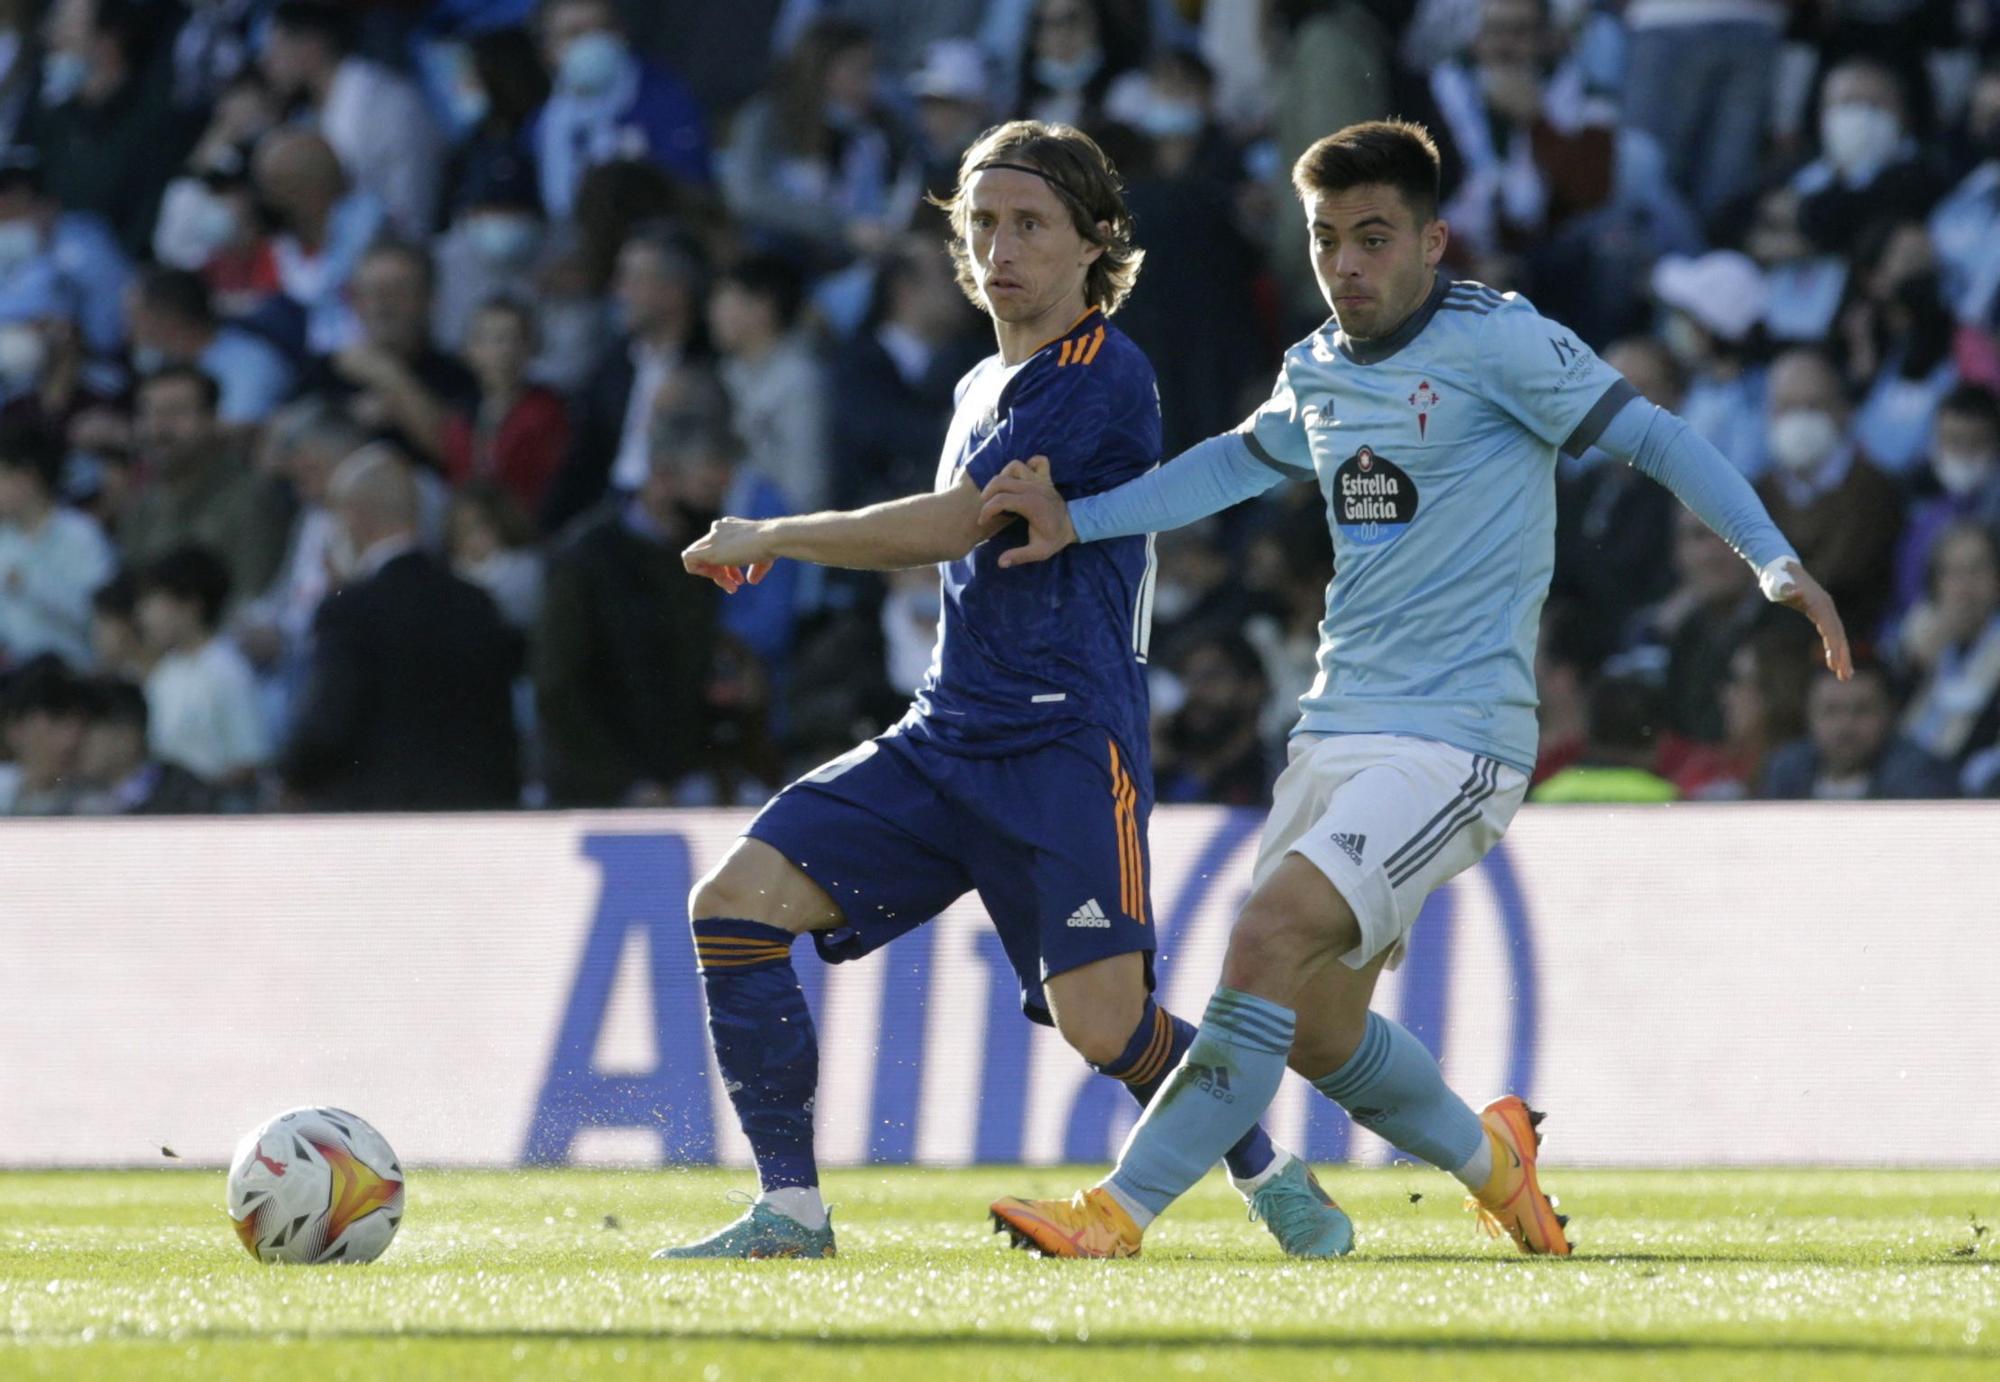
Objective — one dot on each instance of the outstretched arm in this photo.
(1207, 478)
(1661, 445)
(917, 531)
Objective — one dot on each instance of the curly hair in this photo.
(1082, 178)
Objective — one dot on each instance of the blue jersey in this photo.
(1435, 448)
(1028, 655)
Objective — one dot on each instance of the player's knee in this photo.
(732, 890)
(1270, 943)
(1099, 1036)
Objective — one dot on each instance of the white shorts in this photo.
(1387, 818)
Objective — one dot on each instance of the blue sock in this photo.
(1156, 1047)
(1392, 1086)
(764, 1042)
(1217, 1094)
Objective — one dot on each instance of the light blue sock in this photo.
(1392, 1086)
(1222, 1087)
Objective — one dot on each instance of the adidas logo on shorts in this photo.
(1089, 915)
(1351, 845)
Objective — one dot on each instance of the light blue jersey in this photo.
(1435, 448)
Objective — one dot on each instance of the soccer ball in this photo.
(315, 1185)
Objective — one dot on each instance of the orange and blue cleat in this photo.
(1092, 1224)
(1511, 1201)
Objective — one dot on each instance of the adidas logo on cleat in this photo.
(1351, 845)
(1089, 915)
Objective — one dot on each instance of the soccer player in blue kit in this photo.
(1022, 769)
(1430, 413)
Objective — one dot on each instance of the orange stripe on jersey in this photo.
(1089, 352)
(1063, 358)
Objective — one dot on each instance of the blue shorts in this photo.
(1053, 840)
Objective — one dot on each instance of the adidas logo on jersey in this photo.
(1351, 845)
(1089, 915)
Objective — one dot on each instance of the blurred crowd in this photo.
(365, 366)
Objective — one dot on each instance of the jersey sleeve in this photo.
(1059, 413)
(1541, 374)
(1276, 433)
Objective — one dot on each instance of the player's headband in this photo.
(1019, 168)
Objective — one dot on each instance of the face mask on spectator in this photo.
(501, 239)
(22, 355)
(1801, 438)
(1068, 74)
(19, 242)
(63, 75)
(591, 63)
(1962, 472)
(1163, 119)
(1858, 138)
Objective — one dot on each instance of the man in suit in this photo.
(408, 702)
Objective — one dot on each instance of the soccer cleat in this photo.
(763, 1232)
(1302, 1216)
(1511, 1201)
(1090, 1225)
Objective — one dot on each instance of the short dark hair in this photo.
(190, 573)
(115, 701)
(211, 392)
(329, 23)
(44, 684)
(1973, 401)
(117, 598)
(1234, 649)
(1084, 181)
(1625, 712)
(772, 278)
(1393, 153)
(32, 449)
(178, 293)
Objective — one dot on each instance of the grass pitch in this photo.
(1716, 1274)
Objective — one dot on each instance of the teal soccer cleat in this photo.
(763, 1232)
(1301, 1216)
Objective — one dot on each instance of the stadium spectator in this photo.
(173, 322)
(116, 771)
(57, 262)
(816, 167)
(494, 104)
(199, 489)
(375, 119)
(108, 131)
(1868, 160)
(515, 436)
(408, 700)
(776, 383)
(1851, 751)
(214, 49)
(1713, 305)
(490, 543)
(52, 558)
(1895, 343)
(1210, 748)
(1612, 523)
(1694, 631)
(116, 646)
(1824, 493)
(658, 290)
(201, 695)
(1965, 224)
(1620, 749)
(1952, 643)
(42, 718)
(1076, 50)
(893, 383)
(20, 67)
(1699, 80)
(325, 226)
(497, 245)
(608, 103)
(626, 646)
(1763, 704)
(1965, 464)
(1564, 657)
(953, 91)
(208, 220)
(1804, 286)
(392, 377)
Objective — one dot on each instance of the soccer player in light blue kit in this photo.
(1431, 413)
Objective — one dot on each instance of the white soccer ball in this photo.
(315, 1185)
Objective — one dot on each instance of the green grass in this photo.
(1721, 1274)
